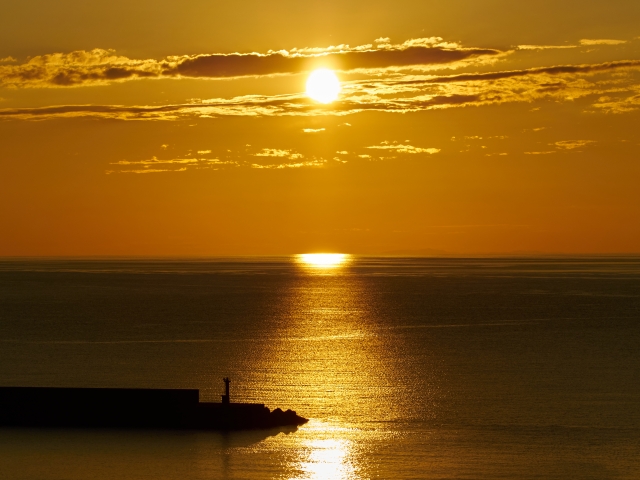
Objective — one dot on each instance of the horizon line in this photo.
(281, 255)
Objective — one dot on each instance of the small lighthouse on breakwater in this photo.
(225, 397)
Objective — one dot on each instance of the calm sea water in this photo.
(407, 368)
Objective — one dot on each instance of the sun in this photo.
(323, 86)
(323, 260)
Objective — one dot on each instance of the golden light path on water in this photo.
(326, 446)
(328, 456)
(326, 359)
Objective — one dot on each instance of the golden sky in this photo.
(157, 128)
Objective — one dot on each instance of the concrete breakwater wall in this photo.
(132, 408)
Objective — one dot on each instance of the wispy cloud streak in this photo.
(400, 148)
(156, 165)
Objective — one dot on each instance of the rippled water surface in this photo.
(407, 368)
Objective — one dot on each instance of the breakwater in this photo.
(132, 408)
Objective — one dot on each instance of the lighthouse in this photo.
(225, 397)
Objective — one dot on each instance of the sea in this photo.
(407, 368)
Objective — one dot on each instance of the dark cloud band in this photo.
(235, 65)
(555, 70)
(99, 67)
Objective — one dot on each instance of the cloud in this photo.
(8, 60)
(203, 152)
(400, 148)
(412, 53)
(162, 164)
(94, 67)
(155, 161)
(274, 152)
(310, 163)
(101, 67)
(603, 41)
(164, 112)
(544, 47)
(554, 70)
(616, 84)
(620, 104)
(156, 165)
(584, 42)
(313, 130)
(540, 153)
(560, 83)
(149, 170)
(572, 144)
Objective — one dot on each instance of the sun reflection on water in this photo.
(328, 358)
(327, 454)
(328, 459)
(323, 260)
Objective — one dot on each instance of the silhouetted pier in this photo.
(133, 408)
